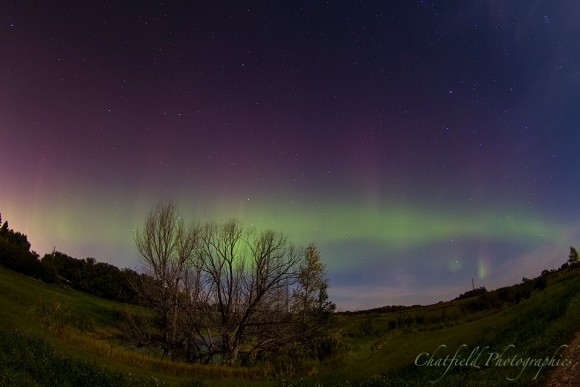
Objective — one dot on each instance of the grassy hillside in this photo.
(55, 336)
(62, 324)
(536, 327)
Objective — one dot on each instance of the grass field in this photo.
(55, 336)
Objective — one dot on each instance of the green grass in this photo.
(18, 293)
(537, 327)
(55, 336)
(26, 360)
(27, 304)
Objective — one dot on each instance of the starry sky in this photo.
(418, 144)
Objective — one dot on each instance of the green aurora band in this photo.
(382, 235)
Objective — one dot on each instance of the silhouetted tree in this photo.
(311, 295)
(573, 257)
(224, 289)
(310, 300)
(165, 246)
(98, 278)
(247, 274)
(15, 254)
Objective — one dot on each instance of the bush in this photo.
(290, 362)
(540, 283)
(366, 327)
(331, 344)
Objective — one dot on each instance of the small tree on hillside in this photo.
(573, 257)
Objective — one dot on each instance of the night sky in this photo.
(418, 144)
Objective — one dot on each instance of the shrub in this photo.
(366, 327)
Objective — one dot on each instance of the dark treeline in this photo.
(15, 254)
(97, 278)
(472, 293)
(481, 299)
(382, 309)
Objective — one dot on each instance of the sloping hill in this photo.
(19, 295)
(73, 335)
(66, 326)
(36, 319)
(387, 345)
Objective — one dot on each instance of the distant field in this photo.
(51, 335)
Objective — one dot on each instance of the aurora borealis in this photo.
(418, 144)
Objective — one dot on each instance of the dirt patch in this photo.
(568, 376)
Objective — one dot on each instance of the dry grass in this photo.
(123, 355)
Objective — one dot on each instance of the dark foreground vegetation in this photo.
(29, 360)
(53, 334)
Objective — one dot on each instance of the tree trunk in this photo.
(233, 352)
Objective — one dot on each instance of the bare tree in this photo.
(220, 288)
(165, 246)
(244, 272)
